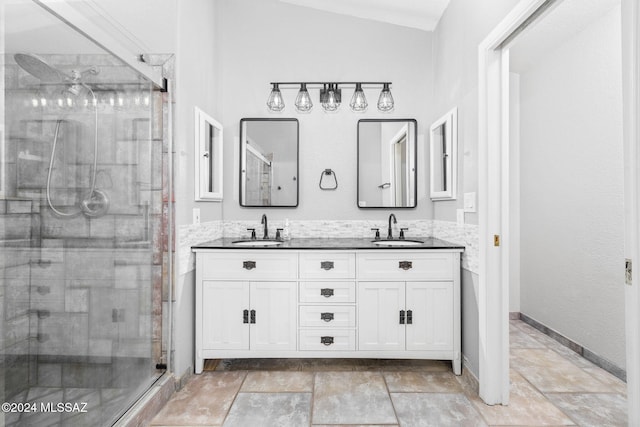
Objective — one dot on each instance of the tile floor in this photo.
(550, 386)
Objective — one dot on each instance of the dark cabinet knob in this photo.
(409, 317)
(327, 317)
(326, 292)
(326, 340)
(326, 265)
(248, 265)
(245, 316)
(253, 316)
(402, 317)
(405, 265)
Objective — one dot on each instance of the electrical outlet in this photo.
(460, 216)
(196, 216)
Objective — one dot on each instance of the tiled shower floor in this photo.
(107, 387)
(550, 385)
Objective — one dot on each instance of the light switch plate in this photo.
(469, 202)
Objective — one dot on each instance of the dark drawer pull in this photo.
(409, 317)
(326, 265)
(245, 316)
(326, 292)
(248, 265)
(327, 317)
(326, 340)
(253, 316)
(405, 265)
(402, 317)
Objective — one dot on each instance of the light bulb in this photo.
(303, 100)
(358, 100)
(332, 101)
(385, 101)
(275, 101)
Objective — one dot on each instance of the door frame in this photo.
(494, 233)
(631, 131)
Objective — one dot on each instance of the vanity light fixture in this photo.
(275, 101)
(358, 100)
(303, 100)
(330, 96)
(385, 101)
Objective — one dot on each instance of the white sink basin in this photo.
(257, 242)
(397, 242)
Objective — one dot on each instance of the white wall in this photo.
(462, 27)
(282, 42)
(196, 69)
(572, 190)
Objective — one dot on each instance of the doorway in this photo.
(495, 215)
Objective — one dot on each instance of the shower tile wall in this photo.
(80, 289)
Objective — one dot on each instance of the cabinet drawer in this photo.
(328, 316)
(406, 266)
(327, 265)
(328, 339)
(249, 265)
(327, 292)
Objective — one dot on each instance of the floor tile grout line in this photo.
(543, 394)
(313, 397)
(393, 406)
(235, 396)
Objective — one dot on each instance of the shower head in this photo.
(38, 68)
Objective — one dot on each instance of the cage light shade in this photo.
(385, 101)
(358, 100)
(331, 99)
(303, 100)
(275, 101)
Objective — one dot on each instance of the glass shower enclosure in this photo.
(83, 224)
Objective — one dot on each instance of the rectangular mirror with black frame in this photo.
(269, 162)
(387, 163)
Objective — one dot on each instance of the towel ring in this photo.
(323, 174)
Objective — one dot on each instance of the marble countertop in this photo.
(329, 243)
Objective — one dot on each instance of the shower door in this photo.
(82, 233)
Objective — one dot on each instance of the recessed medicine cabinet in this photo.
(208, 163)
(443, 155)
(387, 163)
(269, 162)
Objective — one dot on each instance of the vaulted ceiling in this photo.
(420, 14)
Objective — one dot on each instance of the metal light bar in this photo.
(330, 82)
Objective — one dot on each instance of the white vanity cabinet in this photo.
(397, 316)
(327, 310)
(367, 303)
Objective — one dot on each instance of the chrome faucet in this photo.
(266, 229)
(390, 231)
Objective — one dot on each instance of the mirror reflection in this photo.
(387, 163)
(269, 162)
(443, 138)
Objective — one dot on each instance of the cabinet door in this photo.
(379, 305)
(430, 305)
(223, 305)
(275, 308)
